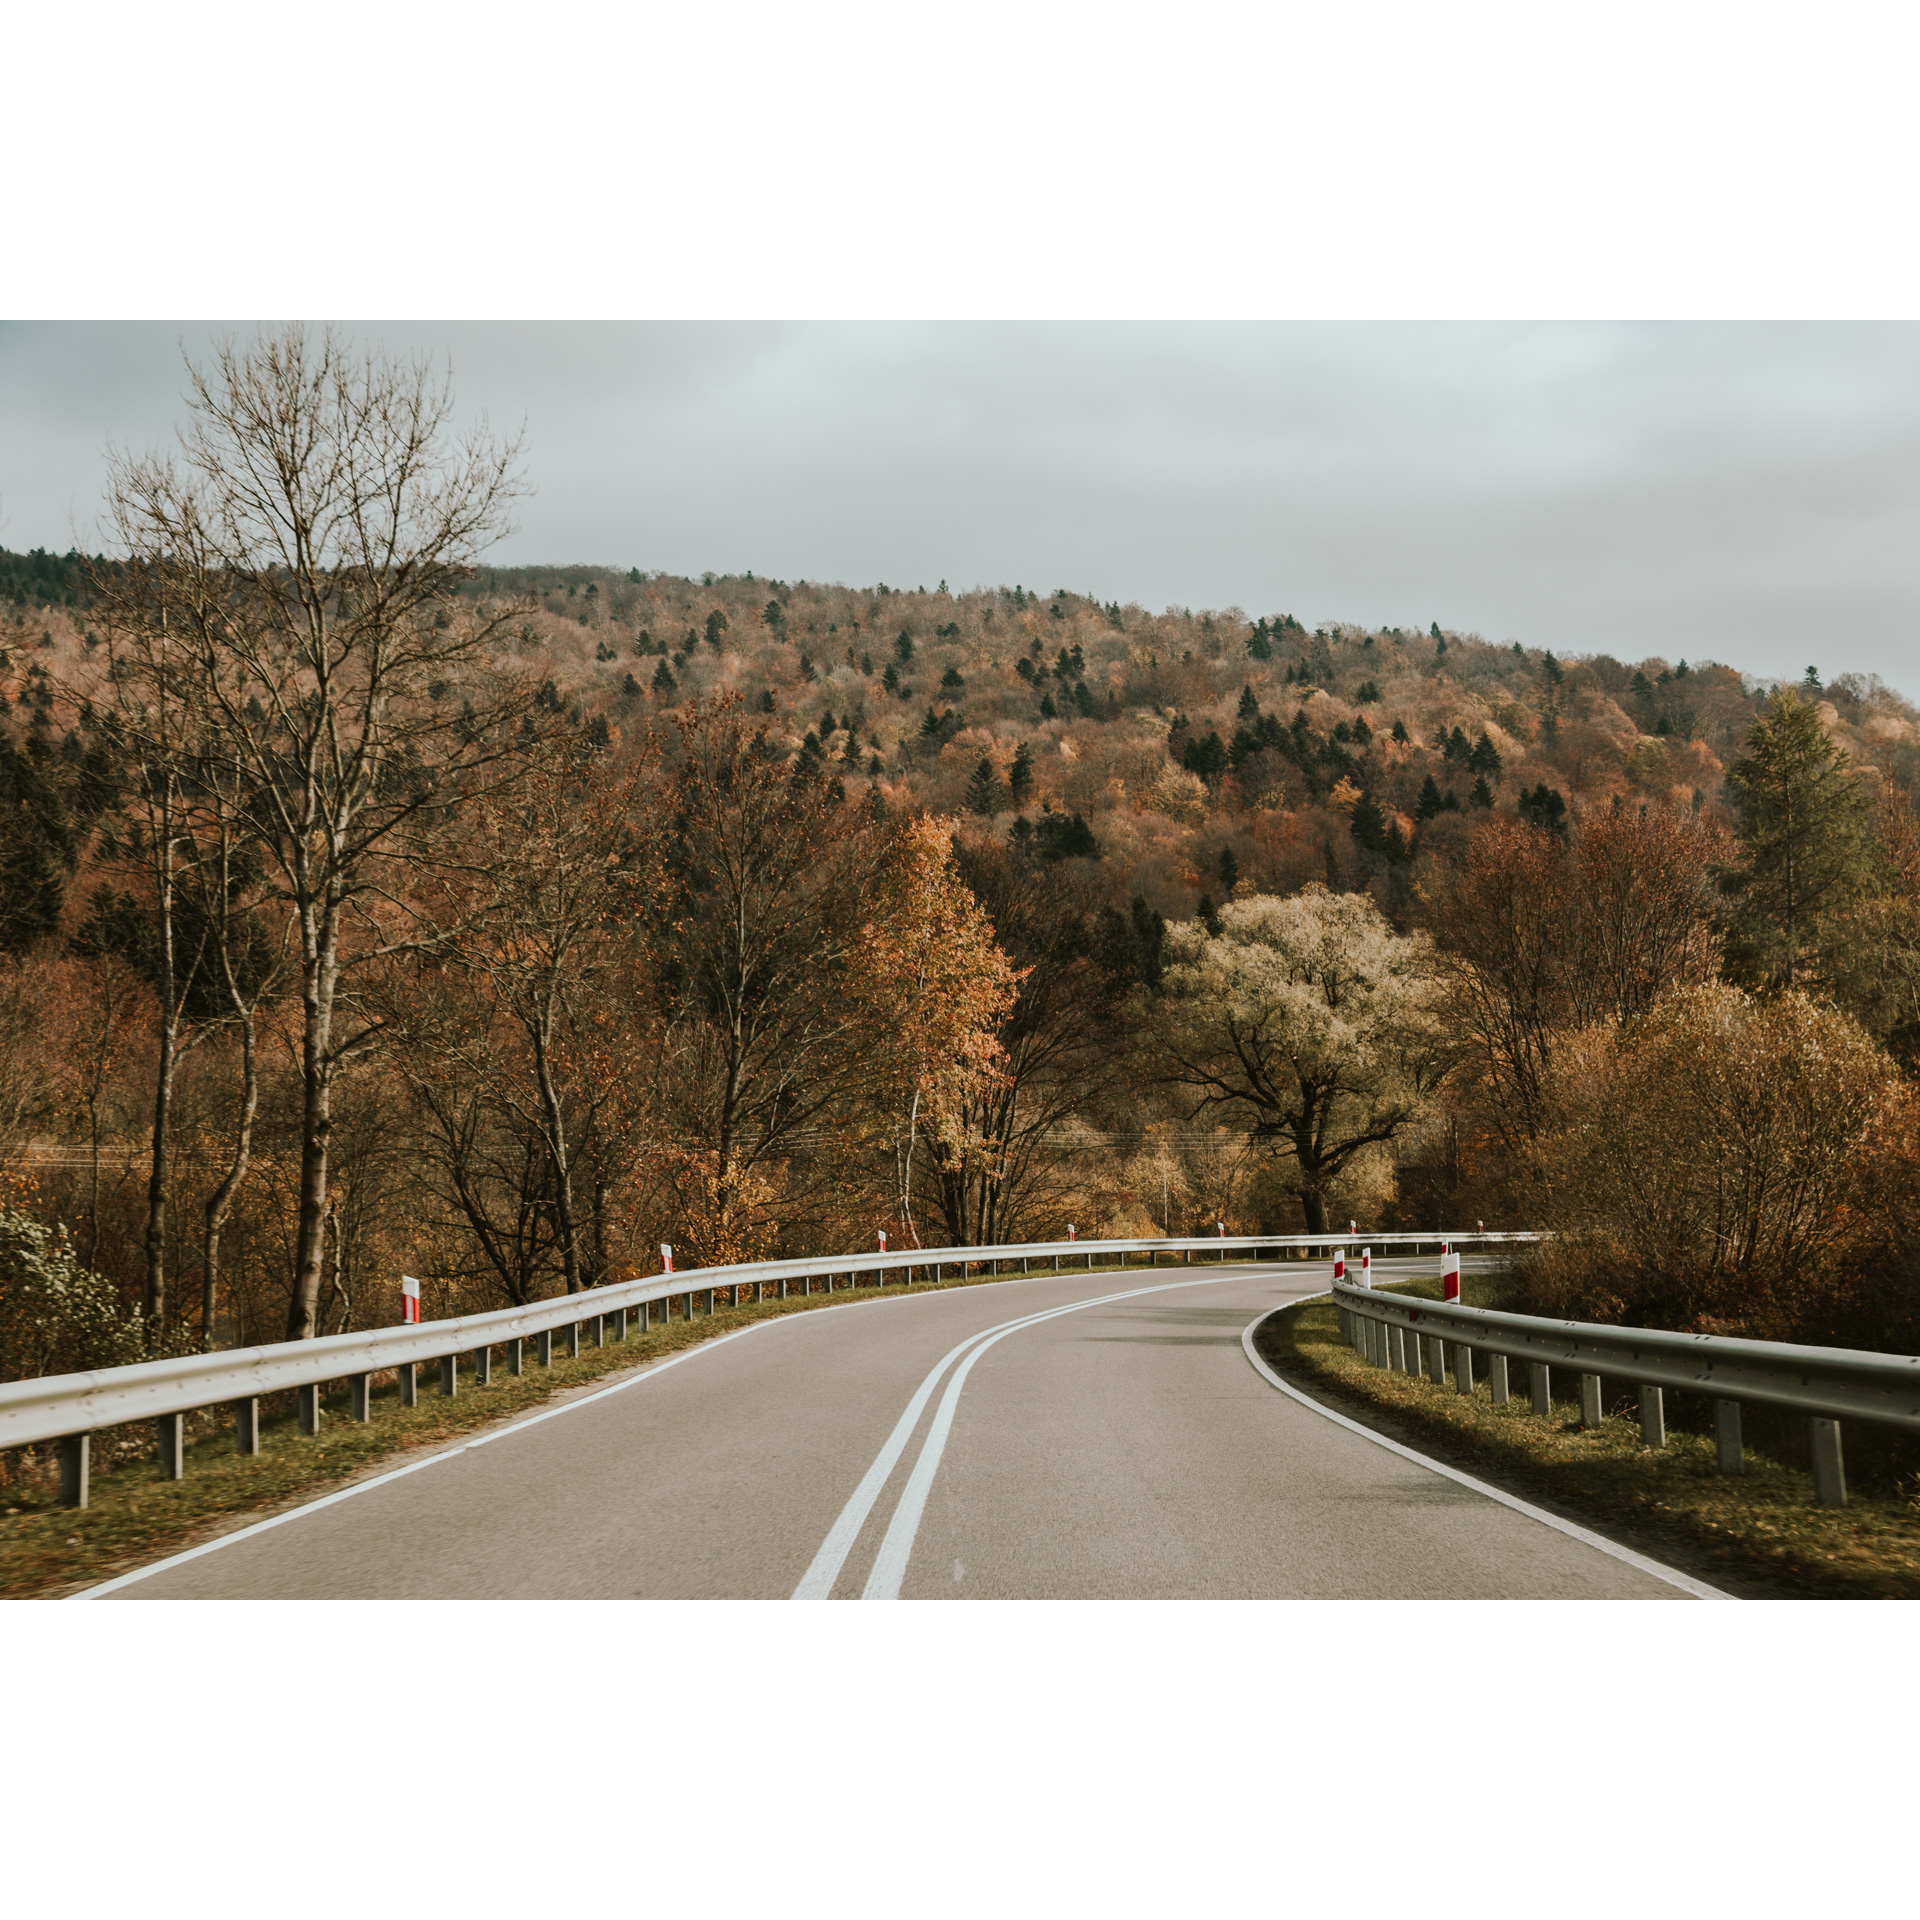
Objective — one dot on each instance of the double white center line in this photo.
(890, 1565)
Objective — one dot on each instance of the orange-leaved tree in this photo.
(929, 966)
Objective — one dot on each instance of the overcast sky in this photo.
(1747, 492)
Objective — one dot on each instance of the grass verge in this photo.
(134, 1516)
(1757, 1534)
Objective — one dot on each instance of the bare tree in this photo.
(561, 869)
(307, 547)
(767, 870)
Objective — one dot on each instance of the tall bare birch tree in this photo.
(305, 546)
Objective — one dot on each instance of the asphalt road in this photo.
(1098, 1436)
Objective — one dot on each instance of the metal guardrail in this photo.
(71, 1407)
(1827, 1384)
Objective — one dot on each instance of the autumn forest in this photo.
(366, 908)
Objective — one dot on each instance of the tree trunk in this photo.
(220, 1201)
(316, 1130)
(156, 1238)
(1313, 1204)
(562, 1166)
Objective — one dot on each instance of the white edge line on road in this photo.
(1671, 1575)
(645, 1373)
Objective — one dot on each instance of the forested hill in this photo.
(1197, 749)
(1186, 751)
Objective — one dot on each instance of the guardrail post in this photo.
(1462, 1367)
(544, 1354)
(1436, 1360)
(360, 1397)
(710, 1293)
(246, 1426)
(76, 1461)
(599, 1325)
(1590, 1409)
(449, 1374)
(620, 1326)
(409, 1384)
(171, 1430)
(1653, 1417)
(688, 1314)
(1540, 1381)
(310, 1408)
(1829, 1471)
(1497, 1378)
(782, 1294)
(483, 1366)
(1726, 1437)
(516, 1360)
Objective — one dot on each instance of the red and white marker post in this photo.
(883, 1239)
(1449, 1275)
(666, 1258)
(1339, 1267)
(1366, 1266)
(1070, 1233)
(409, 1301)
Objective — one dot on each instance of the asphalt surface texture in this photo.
(1090, 1436)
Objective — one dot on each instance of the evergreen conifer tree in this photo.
(1803, 828)
(1020, 777)
(985, 795)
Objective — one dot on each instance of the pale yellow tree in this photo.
(1310, 1022)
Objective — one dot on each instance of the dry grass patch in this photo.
(1757, 1534)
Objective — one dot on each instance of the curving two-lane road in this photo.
(1099, 1436)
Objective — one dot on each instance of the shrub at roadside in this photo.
(1721, 1165)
